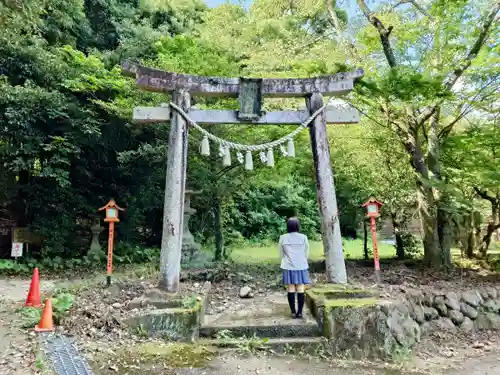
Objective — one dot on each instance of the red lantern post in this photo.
(111, 217)
(372, 211)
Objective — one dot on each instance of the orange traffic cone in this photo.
(33, 299)
(46, 322)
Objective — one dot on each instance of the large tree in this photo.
(428, 65)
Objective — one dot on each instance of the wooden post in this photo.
(325, 189)
(109, 267)
(171, 242)
(376, 261)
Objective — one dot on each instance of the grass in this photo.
(353, 249)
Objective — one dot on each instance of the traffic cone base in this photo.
(34, 299)
(46, 322)
(38, 329)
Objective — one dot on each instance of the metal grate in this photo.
(63, 356)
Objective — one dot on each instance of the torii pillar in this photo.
(250, 93)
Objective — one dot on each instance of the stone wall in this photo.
(360, 324)
(467, 311)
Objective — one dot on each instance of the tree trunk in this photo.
(469, 246)
(491, 228)
(443, 224)
(486, 239)
(427, 210)
(428, 222)
(219, 240)
(467, 238)
(476, 223)
(400, 249)
(365, 239)
(444, 235)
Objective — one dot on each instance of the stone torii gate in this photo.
(249, 92)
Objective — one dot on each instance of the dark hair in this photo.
(293, 225)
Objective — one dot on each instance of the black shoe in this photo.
(294, 316)
(298, 316)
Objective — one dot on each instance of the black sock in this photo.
(300, 299)
(291, 302)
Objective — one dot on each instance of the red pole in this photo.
(373, 227)
(110, 252)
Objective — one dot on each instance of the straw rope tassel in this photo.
(248, 161)
(205, 146)
(226, 160)
(270, 158)
(291, 148)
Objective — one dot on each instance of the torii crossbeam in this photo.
(250, 93)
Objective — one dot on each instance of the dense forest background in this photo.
(67, 142)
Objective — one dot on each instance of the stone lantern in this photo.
(95, 246)
(190, 249)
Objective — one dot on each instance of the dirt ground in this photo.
(446, 357)
(488, 364)
(16, 344)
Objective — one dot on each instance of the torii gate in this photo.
(250, 93)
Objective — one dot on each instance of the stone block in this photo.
(363, 326)
(468, 311)
(160, 314)
(440, 306)
(487, 320)
(472, 298)
(430, 313)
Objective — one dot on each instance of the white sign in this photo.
(17, 250)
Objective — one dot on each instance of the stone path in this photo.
(265, 316)
(16, 290)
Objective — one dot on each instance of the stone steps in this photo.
(262, 329)
(278, 344)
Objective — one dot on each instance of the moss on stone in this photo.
(176, 323)
(151, 357)
(350, 302)
(333, 291)
(177, 354)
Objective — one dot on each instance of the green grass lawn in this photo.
(353, 249)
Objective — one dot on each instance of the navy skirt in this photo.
(296, 277)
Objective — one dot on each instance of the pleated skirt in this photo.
(296, 277)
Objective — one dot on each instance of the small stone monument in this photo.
(95, 247)
(191, 251)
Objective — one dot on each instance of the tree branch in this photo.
(333, 16)
(485, 195)
(459, 71)
(338, 29)
(462, 112)
(383, 32)
(476, 47)
(417, 6)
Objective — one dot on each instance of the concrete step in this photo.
(279, 345)
(264, 317)
(261, 327)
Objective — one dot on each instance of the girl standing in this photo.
(294, 252)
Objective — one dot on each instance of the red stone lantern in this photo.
(372, 207)
(112, 210)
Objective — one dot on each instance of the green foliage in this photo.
(245, 345)
(61, 304)
(411, 245)
(67, 143)
(11, 267)
(189, 302)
